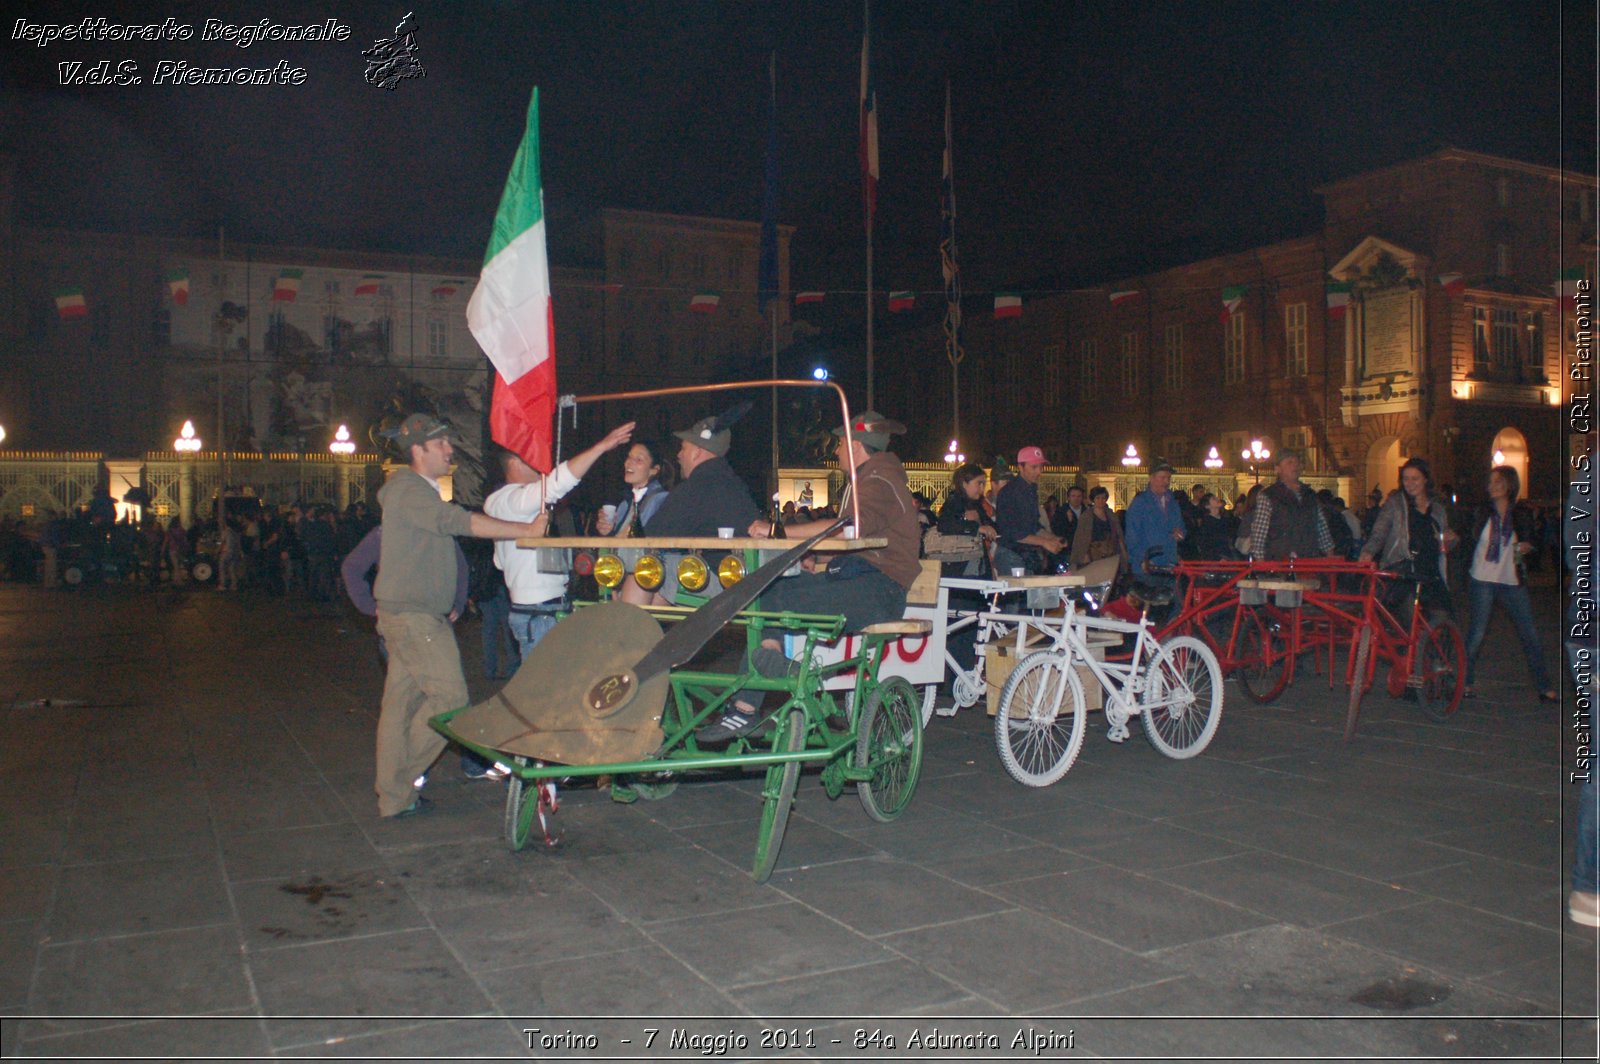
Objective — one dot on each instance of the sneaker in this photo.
(732, 725)
(1584, 908)
(496, 773)
(420, 805)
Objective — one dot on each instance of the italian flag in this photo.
(1566, 287)
(510, 313)
(1453, 283)
(1126, 295)
(1232, 297)
(368, 285)
(178, 285)
(70, 303)
(899, 301)
(801, 298)
(704, 302)
(1338, 299)
(444, 289)
(287, 286)
(1007, 305)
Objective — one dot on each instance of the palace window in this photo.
(1174, 361)
(438, 339)
(1480, 338)
(1299, 439)
(1233, 349)
(1130, 363)
(1089, 368)
(1054, 354)
(1295, 339)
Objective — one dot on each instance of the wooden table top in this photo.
(694, 543)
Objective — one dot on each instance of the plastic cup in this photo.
(1018, 570)
(609, 511)
(849, 531)
(724, 533)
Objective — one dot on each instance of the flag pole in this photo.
(222, 439)
(951, 268)
(869, 137)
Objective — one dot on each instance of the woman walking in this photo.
(1503, 538)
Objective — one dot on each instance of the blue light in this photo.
(820, 373)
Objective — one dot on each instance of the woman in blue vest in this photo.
(648, 474)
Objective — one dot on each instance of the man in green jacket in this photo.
(415, 593)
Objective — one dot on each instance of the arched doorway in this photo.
(1511, 448)
(1383, 465)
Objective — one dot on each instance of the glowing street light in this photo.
(187, 441)
(1213, 460)
(820, 373)
(1255, 455)
(1130, 458)
(954, 455)
(342, 443)
(1499, 458)
(2, 434)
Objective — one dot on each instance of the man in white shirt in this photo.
(537, 597)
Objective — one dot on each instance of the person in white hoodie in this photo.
(537, 597)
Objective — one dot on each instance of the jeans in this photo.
(1514, 597)
(1586, 858)
(529, 628)
(496, 616)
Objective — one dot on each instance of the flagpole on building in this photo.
(869, 168)
(771, 223)
(951, 268)
(222, 437)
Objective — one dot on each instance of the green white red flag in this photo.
(287, 286)
(901, 301)
(1126, 295)
(1454, 284)
(445, 289)
(1566, 287)
(1232, 299)
(1338, 299)
(704, 302)
(368, 285)
(1007, 305)
(71, 304)
(178, 285)
(802, 298)
(510, 313)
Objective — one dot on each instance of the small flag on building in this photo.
(70, 303)
(1338, 299)
(178, 285)
(1126, 295)
(1007, 305)
(1453, 283)
(802, 298)
(287, 286)
(368, 285)
(1566, 287)
(446, 289)
(704, 302)
(901, 301)
(611, 288)
(1232, 300)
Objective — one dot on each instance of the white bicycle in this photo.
(1176, 686)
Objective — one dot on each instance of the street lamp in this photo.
(1213, 460)
(1255, 455)
(1130, 458)
(342, 443)
(187, 441)
(954, 455)
(2, 434)
(1499, 458)
(820, 373)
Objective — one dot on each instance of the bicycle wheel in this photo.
(1039, 724)
(889, 743)
(790, 737)
(1182, 697)
(1264, 651)
(1358, 682)
(522, 805)
(1439, 670)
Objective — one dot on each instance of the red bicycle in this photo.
(1427, 658)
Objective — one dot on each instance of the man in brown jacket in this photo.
(865, 587)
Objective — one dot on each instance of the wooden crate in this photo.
(1001, 659)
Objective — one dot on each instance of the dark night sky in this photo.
(1091, 138)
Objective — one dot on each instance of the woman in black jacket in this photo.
(1502, 537)
(966, 512)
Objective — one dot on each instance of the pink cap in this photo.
(1030, 455)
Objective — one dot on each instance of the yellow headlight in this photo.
(648, 571)
(692, 573)
(608, 571)
(730, 571)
